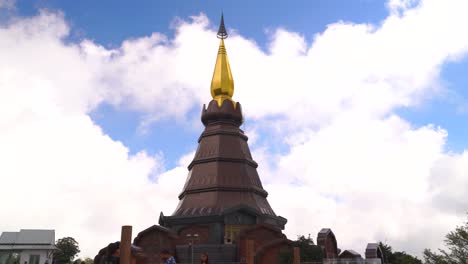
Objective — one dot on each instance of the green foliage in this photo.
(457, 245)
(67, 249)
(309, 251)
(403, 258)
(397, 257)
(386, 251)
(86, 261)
(433, 258)
(9, 258)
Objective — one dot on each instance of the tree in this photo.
(86, 261)
(386, 251)
(67, 249)
(397, 257)
(433, 258)
(457, 245)
(404, 258)
(309, 251)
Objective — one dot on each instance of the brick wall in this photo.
(152, 241)
(261, 235)
(270, 256)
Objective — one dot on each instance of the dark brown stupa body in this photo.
(222, 177)
(223, 194)
(223, 174)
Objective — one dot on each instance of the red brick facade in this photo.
(326, 239)
(268, 241)
(153, 240)
(269, 252)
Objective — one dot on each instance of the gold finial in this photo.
(222, 84)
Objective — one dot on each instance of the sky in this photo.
(356, 112)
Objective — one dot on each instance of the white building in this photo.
(27, 246)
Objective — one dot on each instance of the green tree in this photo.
(404, 258)
(397, 257)
(386, 251)
(309, 251)
(86, 261)
(457, 245)
(67, 249)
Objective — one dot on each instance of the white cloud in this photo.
(367, 180)
(448, 181)
(59, 170)
(363, 170)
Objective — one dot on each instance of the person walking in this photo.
(166, 257)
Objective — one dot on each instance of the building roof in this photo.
(8, 237)
(353, 252)
(373, 251)
(349, 254)
(28, 239)
(372, 245)
(324, 230)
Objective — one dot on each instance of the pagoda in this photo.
(223, 189)
(223, 206)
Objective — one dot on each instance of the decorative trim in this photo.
(223, 132)
(221, 159)
(258, 191)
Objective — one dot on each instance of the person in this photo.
(204, 259)
(166, 257)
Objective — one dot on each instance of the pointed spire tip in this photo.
(222, 33)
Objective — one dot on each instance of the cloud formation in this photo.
(59, 169)
(363, 170)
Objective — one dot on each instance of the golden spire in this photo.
(222, 84)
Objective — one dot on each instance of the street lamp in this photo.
(191, 240)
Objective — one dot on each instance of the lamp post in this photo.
(191, 240)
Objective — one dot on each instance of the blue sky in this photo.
(448, 111)
(110, 22)
(324, 86)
